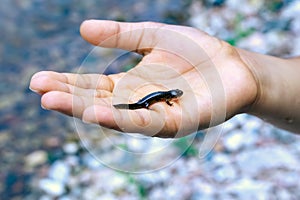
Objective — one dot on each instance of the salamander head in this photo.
(176, 93)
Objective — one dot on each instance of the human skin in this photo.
(218, 81)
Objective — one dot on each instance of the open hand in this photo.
(216, 83)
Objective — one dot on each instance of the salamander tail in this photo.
(128, 106)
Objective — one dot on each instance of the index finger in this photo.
(40, 80)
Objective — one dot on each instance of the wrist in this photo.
(278, 95)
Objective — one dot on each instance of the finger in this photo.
(43, 82)
(92, 85)
(148, 122)
(127, 36)
(86, 81)
(69, 104)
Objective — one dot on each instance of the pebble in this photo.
(137, 144)
(157, 193)
(252, 124)
(59, 171)
(65, 198)
(247, 8)
(46, 197)
(254, 161)
(72, 160)
(220, 159)
(177, 191)
(283, 194)
(4, 137)
(292, 10)
(234, 140)
(256, 42)
(203, 187)
(295, 27)
(286, 179)
(52, 187)
(248, 189)
(296, 44)
(70, 147)
(36, 158)
(52, 142)
(115, 182)
(225, 173)
(228, 126)
(90, 161)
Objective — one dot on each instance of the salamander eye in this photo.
(179, 92)
(176, 93)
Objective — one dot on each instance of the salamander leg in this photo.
(169, 103)
(147, 105)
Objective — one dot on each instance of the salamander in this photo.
(152, 98)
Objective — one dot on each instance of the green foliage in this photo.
(239, 31)
(132, 61)
(123, 146)
(142, 190)
(274, 5)
(184, 146)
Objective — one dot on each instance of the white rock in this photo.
(217, 22)
(229, 125)
(255, 42)
(234, 140)
(240, 119)
(252, 162)
(92, 194)
(248, 189)
(70, 147)
(59, 171)
(286, 179)
(251, 22)
(52, 187)
(295, 27)
(198, 195)
(72, 160)
(199, 21)
(177, 191)
(203, 187)
(242, 6)
(225, 173)
(107, 197)
(295, 146)
(283, 194)
(292, 10)
(157, 193)
(65, 198)
(252, 124)
(115, 182)
(193, 165)
(36, 158)
(296, 43)
(164, 175)
(221, 159)
(91, 161)
(137, 144)
(46, 197)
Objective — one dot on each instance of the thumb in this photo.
(127, 36)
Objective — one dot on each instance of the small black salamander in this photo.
(151, 99)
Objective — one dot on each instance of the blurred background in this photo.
(41, 153)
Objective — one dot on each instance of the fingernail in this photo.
(44, 107)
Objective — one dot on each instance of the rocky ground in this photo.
(45, 155)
